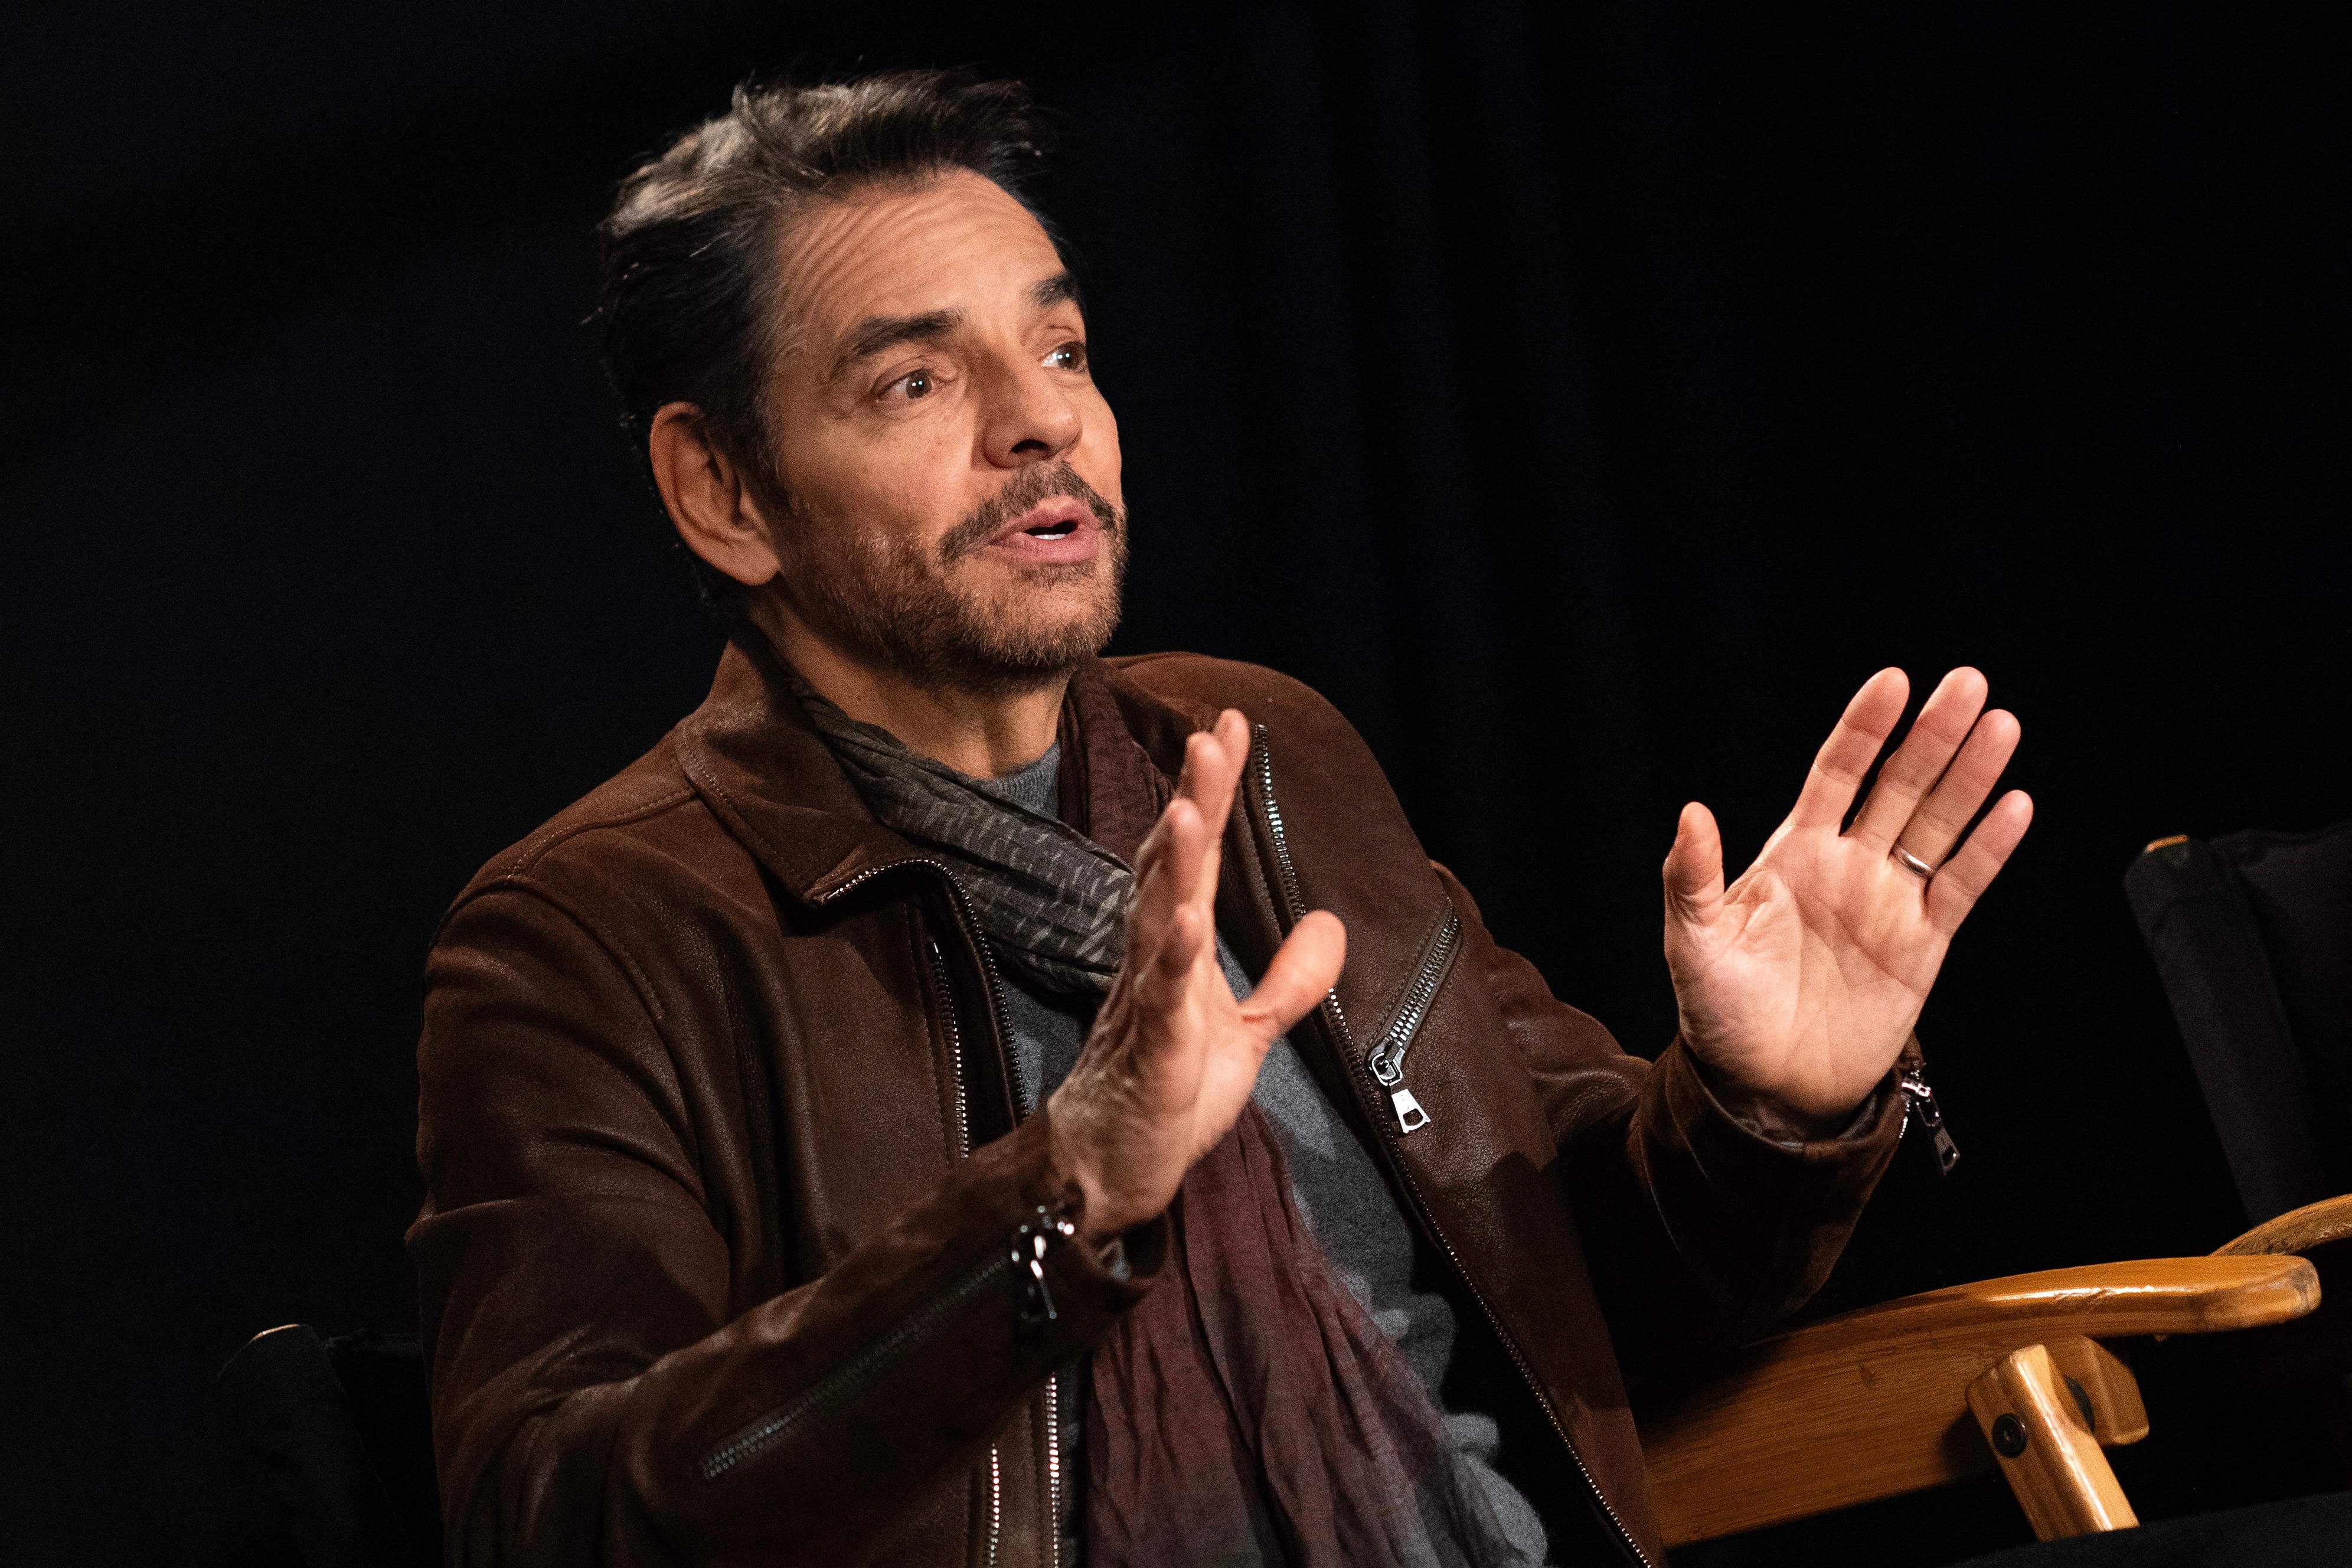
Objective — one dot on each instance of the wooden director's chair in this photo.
(2008, 1373)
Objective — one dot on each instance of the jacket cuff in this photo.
(1680, 1095)
(1099, 1284)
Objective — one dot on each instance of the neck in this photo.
(986, 735)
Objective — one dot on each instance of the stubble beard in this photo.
(909, 607)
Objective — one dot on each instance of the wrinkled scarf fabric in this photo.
(1038, 885)
(1247, 1411)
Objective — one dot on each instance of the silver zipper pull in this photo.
(1919, 1099)
(1028, 1246)
(1389, 1075)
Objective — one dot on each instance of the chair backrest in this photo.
(336, 1448)
(2252, 935)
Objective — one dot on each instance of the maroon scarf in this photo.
(1248, 1410)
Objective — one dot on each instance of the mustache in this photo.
(1025, 489)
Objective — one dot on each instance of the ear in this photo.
(716, 509)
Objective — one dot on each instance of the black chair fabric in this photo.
(334, 1450)
(2252, 935)
(2304, 1532)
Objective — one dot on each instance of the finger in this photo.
(1934, 739)
(1954, 891)
(1304, 970)
(1212, 760)
(1839, 766)
(1159, 892)
(1965, 785)
(1157, 987)
(1694, 868)
(1187, 855)
(1178, 952)
(1179, 860)
(1229, 753)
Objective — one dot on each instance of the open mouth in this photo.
(1059, 529)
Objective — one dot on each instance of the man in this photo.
(852, 1134)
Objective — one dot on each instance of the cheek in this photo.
(926, 494)
(892, 496)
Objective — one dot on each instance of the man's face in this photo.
(951, 473)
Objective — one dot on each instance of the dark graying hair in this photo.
(690, 307)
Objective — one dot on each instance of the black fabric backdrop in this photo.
(1585, 398)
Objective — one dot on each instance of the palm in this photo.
(1801, 980)
(1208, 1051)
(1173, 1054)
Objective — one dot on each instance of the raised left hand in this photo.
(1797, 984)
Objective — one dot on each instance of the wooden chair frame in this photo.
(2004, 1373)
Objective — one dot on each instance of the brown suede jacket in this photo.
(724, 1180)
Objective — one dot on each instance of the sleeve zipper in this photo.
(756, 1438)
(1022, 1260)
(1919, 1100)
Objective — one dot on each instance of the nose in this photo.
(1030, 418)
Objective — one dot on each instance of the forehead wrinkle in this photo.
(825, 250)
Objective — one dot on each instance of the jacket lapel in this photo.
(766, 773)
(752, 755)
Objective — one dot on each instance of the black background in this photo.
(1586, 399)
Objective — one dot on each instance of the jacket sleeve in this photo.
(595, 1397)
(1701, 1233)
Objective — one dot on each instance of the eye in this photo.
(915, 384)
(1071, 355)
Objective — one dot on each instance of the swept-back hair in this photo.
(690, 306)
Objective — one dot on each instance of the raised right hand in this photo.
(1174, 1056)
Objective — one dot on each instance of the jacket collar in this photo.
(765, 772)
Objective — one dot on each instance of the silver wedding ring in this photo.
(1911, 863)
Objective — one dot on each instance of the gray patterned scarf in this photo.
(1052, 901)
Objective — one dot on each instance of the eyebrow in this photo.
(877, 333)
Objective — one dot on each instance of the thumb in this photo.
(1305, 967)
(1694, 868)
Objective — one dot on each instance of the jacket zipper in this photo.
(1052, 1532)
(769, 1429)
(1291, 897)
(993, 982)
(955, 1050)
(1336, 1021)
(1919, 1100)
(995, 1503)
(1386, 1057)
(963, 1148)
(763, 1433)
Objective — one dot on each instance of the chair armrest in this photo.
(2297, 1230)
(1875, 1403)
(2316, 1349)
